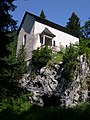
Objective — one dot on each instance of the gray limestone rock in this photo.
(51, 83)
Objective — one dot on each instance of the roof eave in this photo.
(45, 21)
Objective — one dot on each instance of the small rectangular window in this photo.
(41, 39)
(53, 43)
(48, 41)
(24, 40)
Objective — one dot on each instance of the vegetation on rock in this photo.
(70, 61)
(40, 57)
(14, 102)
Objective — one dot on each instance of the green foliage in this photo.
(88, 54)
(71, 53)
(18, 104)
(13, 68)
(84, 47)
(57, 57)
(81, 112)
(6, 24)
(20, 65)
(40, 57)
(73, 25)
(85, 30)
(12, 47)
(42, 15)
(6, 20)
(7, 61)
(70, 61)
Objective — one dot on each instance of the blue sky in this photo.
(57, 11)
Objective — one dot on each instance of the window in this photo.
(48, 41)
(24, 40)
(41, 39)
(53, 43)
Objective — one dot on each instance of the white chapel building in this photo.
(36, 32)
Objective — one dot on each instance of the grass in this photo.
(57, 57)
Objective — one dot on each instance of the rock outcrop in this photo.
(50, 88)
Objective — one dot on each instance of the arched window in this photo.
(24, 40)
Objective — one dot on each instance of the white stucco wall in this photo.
(32, 29)
(61, 37)
(28, 29)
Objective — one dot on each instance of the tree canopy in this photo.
(85, 30)
(73, 25)
(6, 20)
(7, 23)
(42, 15)
(40, 57)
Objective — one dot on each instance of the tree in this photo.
(42, 15)
(70, 62)
(40, 57)
(6, 24)
(85, 30)
(73, 25)
(6, 20)
(7, 61)
(84, 47)
(19, 68)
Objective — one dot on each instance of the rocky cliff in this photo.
(50, 87)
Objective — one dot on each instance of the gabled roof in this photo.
(46, 31)
(46, 22)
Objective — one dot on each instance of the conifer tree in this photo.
(6, 24)
(6, 20)
(42, 15)
(20, 65)
(73, 25)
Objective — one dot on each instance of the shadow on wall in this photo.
(28, 24)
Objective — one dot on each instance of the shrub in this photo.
(40, 57)
(70, 61)
(84, 47)
(71, 53)
(20, 65)
(17, 105)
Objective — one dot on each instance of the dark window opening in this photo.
(53, 43)
(48, 41)
(89, 94)
(41, 39)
